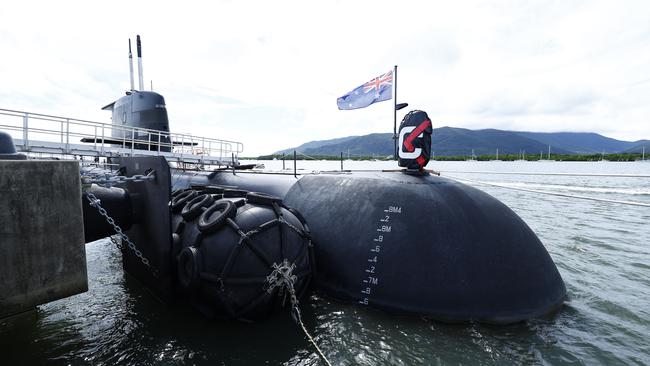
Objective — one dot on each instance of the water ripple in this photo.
(600, 249)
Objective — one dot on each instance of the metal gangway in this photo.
(39, 134)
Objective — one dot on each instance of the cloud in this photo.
(269, 73)
(548, 102)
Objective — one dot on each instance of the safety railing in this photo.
(35, 132)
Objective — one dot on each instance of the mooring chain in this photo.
(117, 242)
(95, 202)
(109, 180)
(282, 277)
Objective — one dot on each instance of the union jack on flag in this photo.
(376, 90)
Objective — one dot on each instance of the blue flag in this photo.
(376, 90)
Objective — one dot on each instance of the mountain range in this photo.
(450, 141)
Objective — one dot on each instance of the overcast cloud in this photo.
(268, 73)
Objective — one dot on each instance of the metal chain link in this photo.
(282, 276)
(111, 180)
(117, 241)
(95, 202)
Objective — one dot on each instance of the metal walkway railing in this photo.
(41, 133)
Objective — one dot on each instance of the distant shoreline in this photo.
(623, 157)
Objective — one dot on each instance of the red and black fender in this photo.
(415, 140)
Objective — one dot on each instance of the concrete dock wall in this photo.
(42, 253)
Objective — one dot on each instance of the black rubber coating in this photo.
(189, 267)
(448, 251)
(213, 190)
(194, 207)
(234, 193)
(215, 216)
(262, 198)
(297, 214)
(179, 201)
(240, 202)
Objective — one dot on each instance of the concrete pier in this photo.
(42, 253)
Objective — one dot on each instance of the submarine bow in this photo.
(419, 244)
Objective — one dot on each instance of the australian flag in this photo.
(376, 90)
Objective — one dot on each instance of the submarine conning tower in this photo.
(141, 109)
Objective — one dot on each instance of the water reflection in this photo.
(599, 248)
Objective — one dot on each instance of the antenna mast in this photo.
(139, 49)
(131, 65)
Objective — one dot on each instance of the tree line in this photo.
(502, 157)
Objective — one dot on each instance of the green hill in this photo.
(451, 141)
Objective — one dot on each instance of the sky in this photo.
(268, 73)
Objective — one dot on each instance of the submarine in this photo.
(234, 243)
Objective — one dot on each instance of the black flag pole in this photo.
(396, 107)
(395, 110)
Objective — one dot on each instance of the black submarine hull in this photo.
(416, 244)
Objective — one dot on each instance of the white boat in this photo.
(548, 156)
(643, 159)
(473, 158)
(602, 158)
(523, 156)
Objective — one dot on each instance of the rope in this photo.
(630, 203)
(282, 277)
(313, 342)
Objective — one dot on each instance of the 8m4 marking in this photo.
(384, 229)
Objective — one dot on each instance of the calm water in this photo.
(601, 250)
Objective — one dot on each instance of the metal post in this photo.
(138, 45)
(395, 110)
(341, 160)
(158, 142)
(283, 155)
(103, 139)
(67, 135)
(25, 133)
(132, 140)
(131, 65)
(294, 164)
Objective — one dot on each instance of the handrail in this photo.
(64, 130)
